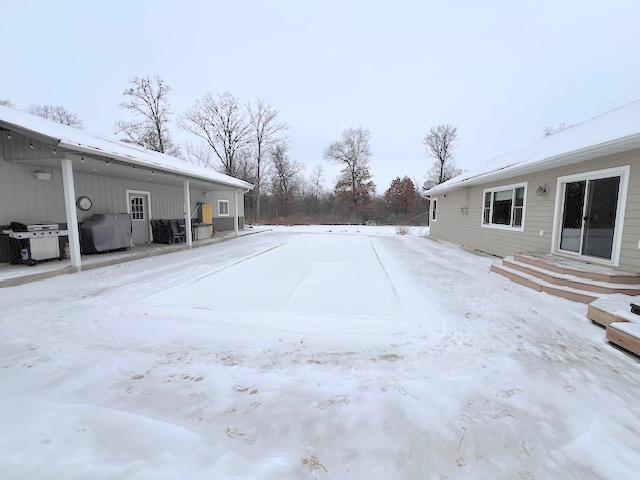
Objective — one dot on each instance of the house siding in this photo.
(460, 213)
(25, 199)
(225, 222)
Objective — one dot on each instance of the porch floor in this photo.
(12, 275)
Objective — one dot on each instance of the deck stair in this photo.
(578, 281)
(623, 326)
(608, 292)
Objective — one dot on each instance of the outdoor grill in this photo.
(32, 243)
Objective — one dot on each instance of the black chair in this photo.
(177, 232)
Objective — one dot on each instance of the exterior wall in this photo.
(25, 199)
(459, 213)
(221, 223)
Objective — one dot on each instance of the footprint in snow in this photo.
(313, 464)
(510, 393)
(336, 400)
(247, 390)
(234, 432)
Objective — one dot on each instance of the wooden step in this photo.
(610, 309)
(625, 335)
(540, 285)
(569, 280)
(578, 268)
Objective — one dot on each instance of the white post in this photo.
(236, 220)
(187, 213)
(70, 210)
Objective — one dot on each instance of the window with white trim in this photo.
(223, 208)
(504, 207)
(434, 209)
(137, 208)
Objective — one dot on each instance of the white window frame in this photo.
(499, 226)
(434, 201)
(220, 214)
(623, 172)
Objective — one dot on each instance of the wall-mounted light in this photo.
(31, 146)
(108, 162)
(542, 189)
(38, 175)
(8, 136)
(54, 151)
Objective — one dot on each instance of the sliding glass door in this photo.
(589, 217)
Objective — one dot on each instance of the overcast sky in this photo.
(499, 70)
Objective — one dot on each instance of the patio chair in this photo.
(177, 233)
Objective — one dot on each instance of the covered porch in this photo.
(56, 175)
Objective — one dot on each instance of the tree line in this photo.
(249, 141)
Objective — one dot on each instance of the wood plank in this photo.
(549, 277)
(612, 277)
(623, 339)
(516, 278)
(602, 317)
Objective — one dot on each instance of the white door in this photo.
(139, 211)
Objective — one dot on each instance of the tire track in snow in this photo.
(386, 274)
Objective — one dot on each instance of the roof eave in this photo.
(241, 184)
(584, 154)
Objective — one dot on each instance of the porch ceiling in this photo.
(91, 165)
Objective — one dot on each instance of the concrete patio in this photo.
(12, 275)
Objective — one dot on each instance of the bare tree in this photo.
(5, 102)
(56, 113)
(548, 131)
(315, 180)
(285, 180)
(440, 144)
(148, 99)
(353, 154)
(222, 124)
(198, 155)
(266, 131)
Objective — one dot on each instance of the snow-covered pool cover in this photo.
(85, 142)
(609, 129)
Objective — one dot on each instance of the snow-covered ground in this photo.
(287, 356)
(351, 229)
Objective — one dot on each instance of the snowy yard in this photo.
(290, 355)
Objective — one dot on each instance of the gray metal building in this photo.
(46, 168)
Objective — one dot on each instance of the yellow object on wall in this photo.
(207, 213)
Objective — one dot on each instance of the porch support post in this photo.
(187, 213)
(71, 214)
(236, 217)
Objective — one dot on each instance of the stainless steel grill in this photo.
(34, 242)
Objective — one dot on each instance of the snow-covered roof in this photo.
(615, 131)
(82, 141)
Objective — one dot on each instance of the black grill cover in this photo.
(102, 232)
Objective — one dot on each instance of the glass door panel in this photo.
(600, 217)
(572, 216)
